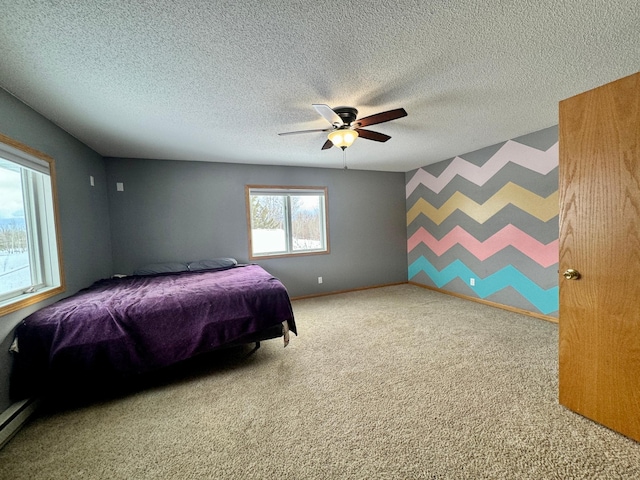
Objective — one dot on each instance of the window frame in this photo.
(51, 269)
(288, 190)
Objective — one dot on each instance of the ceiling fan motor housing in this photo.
(347, 114)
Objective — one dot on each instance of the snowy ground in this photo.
(14, 271)
(274, 241)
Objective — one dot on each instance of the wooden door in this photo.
(599, 323)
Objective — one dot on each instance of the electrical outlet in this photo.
(472, 282)
(319, 279)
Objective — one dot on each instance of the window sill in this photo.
(14, 304)
(288, 255)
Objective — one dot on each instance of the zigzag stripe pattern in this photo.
(508, 240)
(543, 209)
(544, 300)
(523, 155)
(544, 255)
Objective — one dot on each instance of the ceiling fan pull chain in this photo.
(344, 159)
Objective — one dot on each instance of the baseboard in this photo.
(548, 318)
(336, 292)
(12, 419)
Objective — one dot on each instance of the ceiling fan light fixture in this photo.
(343, 137)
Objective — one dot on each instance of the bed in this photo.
(123, 327)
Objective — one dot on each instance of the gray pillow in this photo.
(211, 264)
(166, 267)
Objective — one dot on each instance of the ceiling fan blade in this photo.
(327, 145)
(375, 136)
(307, 131)
(381, 117)
(327, 112)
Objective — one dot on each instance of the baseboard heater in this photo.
(14, 417)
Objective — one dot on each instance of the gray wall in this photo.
(84, 212)
(183, 211)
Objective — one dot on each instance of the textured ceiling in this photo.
(218, 80)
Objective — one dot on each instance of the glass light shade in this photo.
(343, 137)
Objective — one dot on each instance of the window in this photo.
(286, 221)
(30, 257)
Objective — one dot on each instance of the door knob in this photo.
(571, 274)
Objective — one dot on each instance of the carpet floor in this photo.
(396, 382)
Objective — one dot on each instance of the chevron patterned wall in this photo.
(490, 216)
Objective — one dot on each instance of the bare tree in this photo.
(13, 239)
(267, 212)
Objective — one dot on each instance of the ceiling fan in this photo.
(346, 127)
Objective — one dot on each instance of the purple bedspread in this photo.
(140, 323)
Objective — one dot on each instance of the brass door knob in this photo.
(571, 274)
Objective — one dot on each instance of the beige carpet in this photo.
(390, 383)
